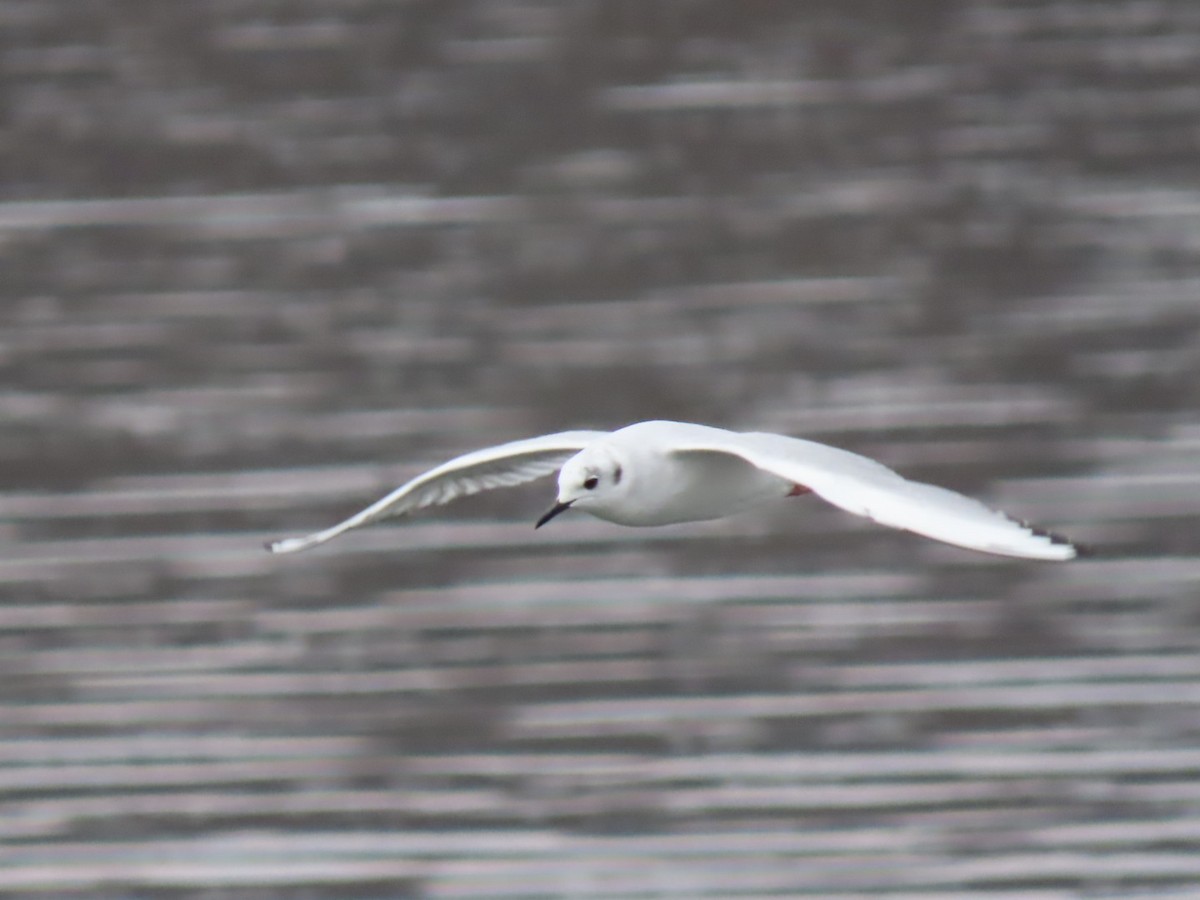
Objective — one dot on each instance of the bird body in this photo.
(659, 486)
(662, 473)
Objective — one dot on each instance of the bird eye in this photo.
(590, 483)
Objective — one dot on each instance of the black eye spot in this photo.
(617, 475)
(590, 483)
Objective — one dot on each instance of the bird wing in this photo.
(481, 470)
(867, 488)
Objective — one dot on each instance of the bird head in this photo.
(588, 480)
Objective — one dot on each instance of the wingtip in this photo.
(1069, 548)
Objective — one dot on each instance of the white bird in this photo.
(661, 473)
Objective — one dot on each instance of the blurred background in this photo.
(262, 261)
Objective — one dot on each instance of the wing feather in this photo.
(502, 466)
(867, 488)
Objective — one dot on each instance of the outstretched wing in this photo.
(867, 488)
(503, 466)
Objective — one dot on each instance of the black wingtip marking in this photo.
(1052, 536)
(1081, 550)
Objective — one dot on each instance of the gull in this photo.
(662, 473)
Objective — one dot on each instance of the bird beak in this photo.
(553, 511)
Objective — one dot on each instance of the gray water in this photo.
(262, 262)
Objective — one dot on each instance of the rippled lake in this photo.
(263, 262)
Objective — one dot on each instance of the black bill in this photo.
(553, 511)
